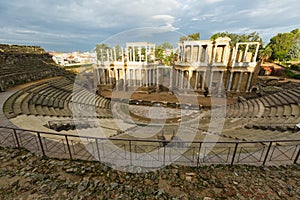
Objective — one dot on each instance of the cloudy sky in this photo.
(69, 25)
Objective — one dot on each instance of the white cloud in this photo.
(167, 20)
(84, 22)
(213, 1)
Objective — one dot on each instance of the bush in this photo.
(292, 75)
(295, 67)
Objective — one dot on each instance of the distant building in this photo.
(74, 58)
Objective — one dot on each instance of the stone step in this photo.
(295, 109)
(273, 112)
(280, 111)
(17, 107)
(287, 110)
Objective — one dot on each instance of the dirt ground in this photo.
(164, 96)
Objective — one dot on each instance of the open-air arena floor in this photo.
(134, 131)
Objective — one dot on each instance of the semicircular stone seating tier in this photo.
(279, 111)
(56, 98)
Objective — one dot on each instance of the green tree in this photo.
(193, 36)
(161, 53)
(98, 49)
(294, 52)
(166, 45)
(265, 53)
(235, 38)
(282, 43)
(183, 38)
(118, 52)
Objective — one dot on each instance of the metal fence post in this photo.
(164, 156)
(68, 147)
(17, 139)
(198, 157)
(297, 156)
(99, 157)
(267, 153)
(41, 143)
(130, 156)
(234, 153)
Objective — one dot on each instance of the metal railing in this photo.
(151, 153)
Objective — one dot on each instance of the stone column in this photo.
(189, 79)
(117, 78)
(199, 55)
(107, 54)
(129, 77)
(249, 81)
(176, 78)
(171, 78)
(182, 79)
(124, 77)
(191, 56)
(146, 54)
(141, 77)
(128, 54)
(115, 54)
(245, 53)
(122, 54)
(150, 78)
(183, 53)
(147, 80)
(101, 55)
(225, 55)
(221, 82)
(211, 79)
(230, 81)
(214, 53)
(256, 51)
(235, 53)
(153, 76)
(135, 77)
(203, 80)
(196, 80)
(240, 81)
(109, 76)
(104, 80)
(157, 77)
(140, 54)
(111, 54)
(206, 55)
(98, 76)
(113, 76)
(133, 53)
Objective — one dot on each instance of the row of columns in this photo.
(230, 80)
(202, 49)
(132, 77)
(244, 59)
(129, 53)
(180, 78)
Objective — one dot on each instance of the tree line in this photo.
(281, 47)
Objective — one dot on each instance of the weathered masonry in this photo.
(199, 65)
